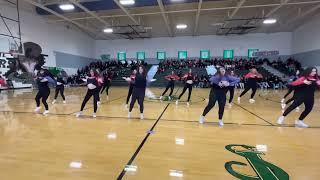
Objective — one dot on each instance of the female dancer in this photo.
(290, 88)
(43, 79)
(59, 88)
(139, 90)
(189, 78)
(231, 88)
(220, 84)
(253, 76)
(305, 86)
(93, 83)
(171, 78)
(107, 77)
(131, 85)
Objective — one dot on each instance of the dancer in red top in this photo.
(189, 78)
(171, 81)
(252, 77)
(305, 87)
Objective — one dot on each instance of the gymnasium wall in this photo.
(216, 44)
(53, 38)
(306, 43)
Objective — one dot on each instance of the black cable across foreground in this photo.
(141, 144)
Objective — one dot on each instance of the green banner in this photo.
(251, 52)
(204, 54)
(161, 55)
(141, 55)
(182, 55)
(122, 56)
(228, 54)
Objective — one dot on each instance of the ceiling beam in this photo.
(87, 29)
(127, 12)
(275, 9)
(304, 14)
(239, 5)
(93, 14)
(195, 10)
(165, 18)
(197, 18)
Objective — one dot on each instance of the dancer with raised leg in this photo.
(189, 79)
(305, 87)
(171, 81)
(252, 78)
(220, 84)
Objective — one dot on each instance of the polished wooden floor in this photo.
(168, 144)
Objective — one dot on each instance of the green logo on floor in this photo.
(264, 170)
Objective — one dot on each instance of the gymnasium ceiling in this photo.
(158, 18)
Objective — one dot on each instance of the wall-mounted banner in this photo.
(182, 55)
(204, 54)
(122, 56)
(161, 55)
(141, 55)
(251, 52)
(228, 54)
(266, 53)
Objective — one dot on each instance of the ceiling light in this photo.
(66, 7)
(108, 30)
(181, 26)
(127, 2)
(269, 21)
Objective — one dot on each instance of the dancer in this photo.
(139, 90)
(59, 88)
(3, 82)
(107, 77)
(290, 87)
(99, 87)
(43, 79)
(93, 83)
(231, 88)
(305, 86)
(171, 78)
(189, 78)
(252, 77)
(131, 85)
(220, 84)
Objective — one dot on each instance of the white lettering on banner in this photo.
(266, 53)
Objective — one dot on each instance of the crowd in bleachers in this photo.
(288, 67)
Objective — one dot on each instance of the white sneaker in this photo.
(297, 109)
(201, 120)
(141, 116)
(45, 112)
(98, 102)
(239, 100)
(177, 102)
(64, 102)
(161, 97)
(300, 123)
(252, 101)
(126, 106)
(54, 101)
(79, 114)
(220, 123)
(283, 106)
(280, 120)
(37, 109)
(282, 101)
(188, 104)
(129, 115)
(94, 115)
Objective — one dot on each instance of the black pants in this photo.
(98, 89)
(106, 87)
(289, 92)
(219, 96)
(90, 93)
(137, 94)
(231, 89)
(129, 93)
(43, 95)
(61, 90)
(189, 87)
(308, 103)
(247, 88)
(171, 86)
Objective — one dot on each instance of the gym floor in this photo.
(168, 144)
